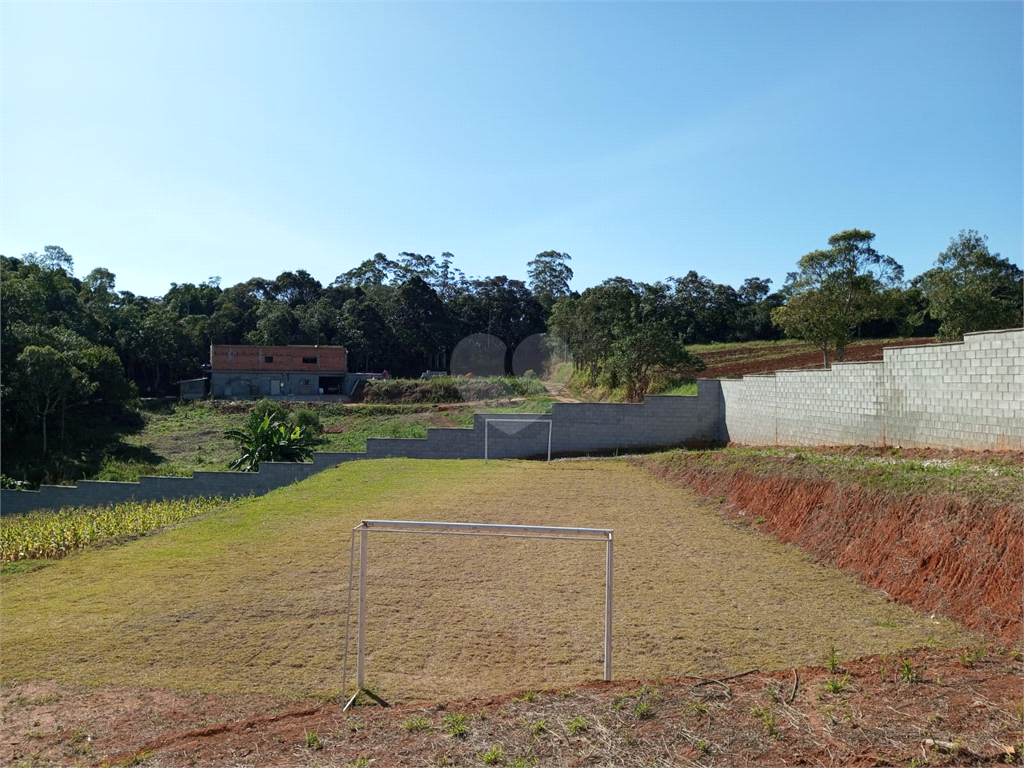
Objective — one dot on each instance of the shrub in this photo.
(266, 406)
(411, 391)
(309, 420)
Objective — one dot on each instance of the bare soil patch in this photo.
(945, 711)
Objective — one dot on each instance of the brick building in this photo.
(291, 372)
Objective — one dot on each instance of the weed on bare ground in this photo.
(947, 713)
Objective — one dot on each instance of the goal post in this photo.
(365, 527)
(489, 419)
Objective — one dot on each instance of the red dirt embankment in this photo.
(952, 556)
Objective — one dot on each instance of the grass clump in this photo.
(673, 385)
(909, 673)
(493, 756)
(993, 478)
(414, 724)
(455, 725)
(577, 725)
(313, 741)
(837, 684)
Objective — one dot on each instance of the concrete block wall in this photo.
(92, 493)
(750, 410)
(968, 395)
(841, 406)
(963, 395)
(577, 428)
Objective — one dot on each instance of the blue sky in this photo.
(170, 142)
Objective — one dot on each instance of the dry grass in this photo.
(252, 600)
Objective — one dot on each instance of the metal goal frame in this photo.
(462, 529)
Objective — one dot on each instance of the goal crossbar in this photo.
(484, 529)
(606, 535)
(487, 424)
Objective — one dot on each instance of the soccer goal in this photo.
(460, 529)
(487, 425)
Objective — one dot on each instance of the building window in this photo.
(309, 360)
(268, 358)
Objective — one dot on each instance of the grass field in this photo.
(251, 600)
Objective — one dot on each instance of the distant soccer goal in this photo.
(487, 425)
(459, 529)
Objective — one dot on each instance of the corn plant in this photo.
(54, 535)
(971, 656)
(768, 718)
(833, 659)
(909, 673)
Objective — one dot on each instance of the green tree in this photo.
(53, 257)
(705, 311)
(549, 274)
(379, 270)
(836, 290)
(623, 331)
(295, 288)
(970, 289)
(810, 315)
(421, 321)
(276, 325)
(47, 383)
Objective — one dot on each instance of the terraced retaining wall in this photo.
(963, 395)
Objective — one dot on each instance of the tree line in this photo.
(71, 345)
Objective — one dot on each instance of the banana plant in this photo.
(270, 438)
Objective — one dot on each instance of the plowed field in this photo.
(766, 357)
